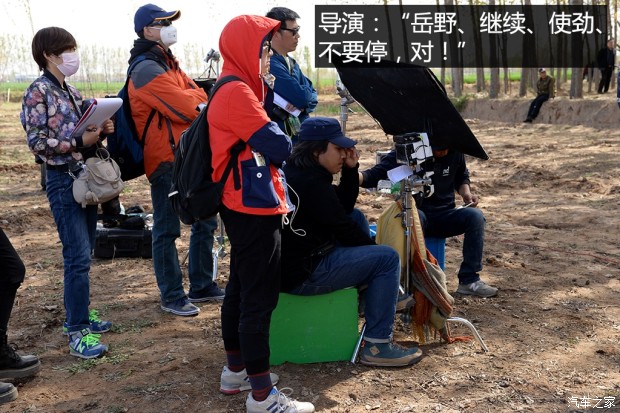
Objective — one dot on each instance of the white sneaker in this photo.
(277, 402)
(233, 383)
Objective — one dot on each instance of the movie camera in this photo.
(414, 150)
(213, 57)
(207, 79)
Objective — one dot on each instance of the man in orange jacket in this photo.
(164, 101)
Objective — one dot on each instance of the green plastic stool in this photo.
(314, 329)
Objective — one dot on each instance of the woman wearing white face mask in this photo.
(50, 110)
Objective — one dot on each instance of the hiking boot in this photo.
(8, 392)
(233, 383)
(528, 120)
(389, 354)
(478, 289)
(181, 307)
(211, 293)
(14, 366)
(85, 344)
(277, 401)
(97, 325)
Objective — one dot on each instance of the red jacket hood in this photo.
(241, 44)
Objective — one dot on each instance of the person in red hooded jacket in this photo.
(253, 207)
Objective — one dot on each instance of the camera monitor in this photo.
(405, 98)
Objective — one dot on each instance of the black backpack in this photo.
(124, 144)
(193, 194)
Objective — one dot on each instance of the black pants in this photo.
(603, 85)
(11, 277)
(536, 105)
(253, 285)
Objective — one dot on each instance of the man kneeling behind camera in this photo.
(326, 245)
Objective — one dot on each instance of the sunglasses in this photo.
(294, 31)
(164, 23)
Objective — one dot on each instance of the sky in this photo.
(110, 22)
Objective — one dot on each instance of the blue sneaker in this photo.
(388, 354)
(182, 307)
(97, 325)
(85, 344)
(211, 293)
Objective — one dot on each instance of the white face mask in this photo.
(70, 63)
(167, 35)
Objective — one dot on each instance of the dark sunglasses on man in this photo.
(294, 31)
(157, 23)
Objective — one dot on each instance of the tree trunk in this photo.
(576, 79)
(529, 61)
(523, 82)
(456, 72)
(493, 58)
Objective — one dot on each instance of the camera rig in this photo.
(345, 100)
(213, 60)
(208, 78)
(414, 150)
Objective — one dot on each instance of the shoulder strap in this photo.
(141, 58)
(132, 66)
(239, 146)
(221, 82)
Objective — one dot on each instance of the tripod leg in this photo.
(358, 345)
(472, 328)
(184, 261)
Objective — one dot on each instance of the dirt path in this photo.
(551, 195)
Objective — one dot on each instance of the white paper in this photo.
(97, 113)
(280, 101)
(399, 173)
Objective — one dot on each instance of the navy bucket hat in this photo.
(324, 129)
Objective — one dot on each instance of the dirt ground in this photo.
(550, 193)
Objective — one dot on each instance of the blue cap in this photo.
(149, 13)
(324, 129)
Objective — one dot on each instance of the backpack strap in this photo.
(232, 165)
(238, 147)
(221, 82)
(132, 66)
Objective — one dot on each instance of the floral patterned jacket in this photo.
(49, 116)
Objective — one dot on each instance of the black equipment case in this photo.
(119, 242)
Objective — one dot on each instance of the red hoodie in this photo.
(236, 112)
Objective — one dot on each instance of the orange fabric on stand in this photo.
(432, 301)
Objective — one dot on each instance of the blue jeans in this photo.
(360, 220)
(77, 229)
(166, 229)
(468, 221)
(377, 266)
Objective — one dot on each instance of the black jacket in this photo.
(606, 58)
(323, 213)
